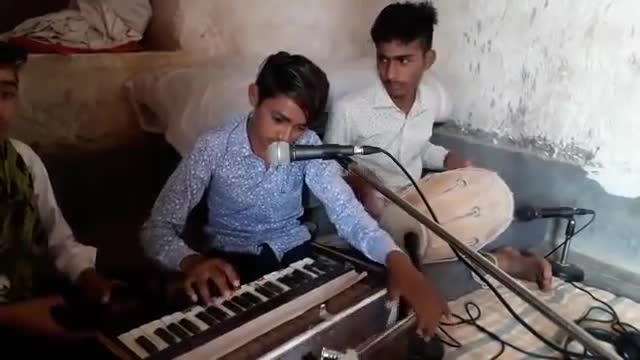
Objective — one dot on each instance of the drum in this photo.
(474, 205)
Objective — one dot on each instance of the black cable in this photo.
(493, 289)
(615, 322)
(593, 217)
(616, 325)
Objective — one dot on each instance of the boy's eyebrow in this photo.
(281, 115)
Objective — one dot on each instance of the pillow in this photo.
(182, 102)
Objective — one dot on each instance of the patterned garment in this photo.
(23, 239)
(250, 204)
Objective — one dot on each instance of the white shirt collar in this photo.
(382, 100)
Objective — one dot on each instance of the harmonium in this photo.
(328, 300)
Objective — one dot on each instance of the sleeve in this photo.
(161, 234)
(69, 256)
(338, 129)
(352, 221)
(433, 156)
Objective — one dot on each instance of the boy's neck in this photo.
(405, 103)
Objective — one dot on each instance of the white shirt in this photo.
(369, 117)
(69, 256)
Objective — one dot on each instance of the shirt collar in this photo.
(240, 137)
(382, 100)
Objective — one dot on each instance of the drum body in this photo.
(474, 205)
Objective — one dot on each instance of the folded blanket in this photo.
(89, 24)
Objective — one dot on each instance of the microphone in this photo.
(528, 213)
(281, 152)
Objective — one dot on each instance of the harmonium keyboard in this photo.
(251, 312)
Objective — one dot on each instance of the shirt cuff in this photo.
(80, 260)
(175, 255)
(383, 247)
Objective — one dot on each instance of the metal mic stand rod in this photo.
(483, 263)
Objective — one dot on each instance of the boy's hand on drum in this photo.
(455, 160)
(202, 272)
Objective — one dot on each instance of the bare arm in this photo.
(33, 317)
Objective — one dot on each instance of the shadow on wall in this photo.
(107, 194)
(14, 12)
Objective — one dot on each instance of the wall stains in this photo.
(564, 76)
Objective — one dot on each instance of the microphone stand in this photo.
(578, 333)
(563, 270)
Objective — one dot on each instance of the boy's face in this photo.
(276, 119)
(401, 65)
(8, 98)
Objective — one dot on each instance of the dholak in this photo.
(474, 205)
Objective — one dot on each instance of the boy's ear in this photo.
(430, 58)
(253, 95)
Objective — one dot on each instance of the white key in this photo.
(301, 268)
(129, 339)
(303, 262)
(191, 316)
(273, 276)
(149, 330)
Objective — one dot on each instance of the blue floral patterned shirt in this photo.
(251, 204)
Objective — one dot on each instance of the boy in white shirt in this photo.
(397, 113)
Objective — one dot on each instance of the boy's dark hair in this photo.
(12, 56)
(406, 22)
(297, 78)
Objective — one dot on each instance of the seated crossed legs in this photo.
(473, 204)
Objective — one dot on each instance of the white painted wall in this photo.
(560, 72)
(320, 29)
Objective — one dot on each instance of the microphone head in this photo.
(279, 153)
(526, 213)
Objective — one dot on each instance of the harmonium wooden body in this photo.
(329, 300)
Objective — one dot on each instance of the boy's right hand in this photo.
(35, 317)
(201, 272)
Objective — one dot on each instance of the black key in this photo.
(273, 287)
(322, 266)
(312, 270)
(146, 344)
(166, 336)
(189, 325)
(286, 279)
(302, 275)
(242, 302)
(265, 292)
(293, 280)
(254, 299)
(233, 307)
(178, 331)
(209, 320)
(216, 313)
